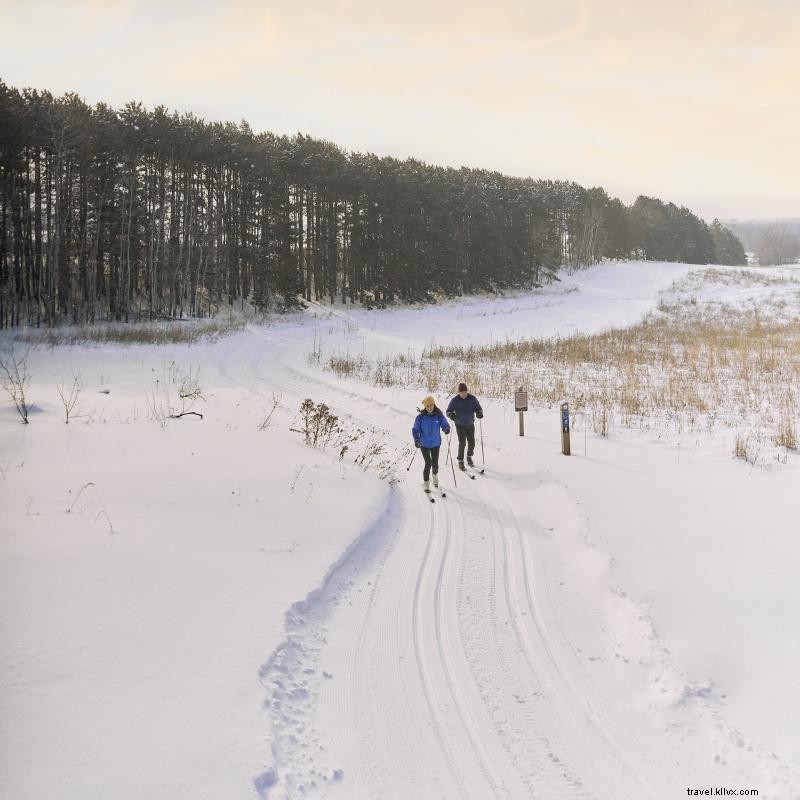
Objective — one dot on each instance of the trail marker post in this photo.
(521, 405)
(565, 429)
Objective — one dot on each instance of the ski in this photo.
(473, 470)
(429, 492)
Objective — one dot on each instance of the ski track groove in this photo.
(468, 723)
(395, 774)
(490, 655)
(421, 661)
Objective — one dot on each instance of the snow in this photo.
(200, 607)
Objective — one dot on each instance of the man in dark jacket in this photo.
(463, 409)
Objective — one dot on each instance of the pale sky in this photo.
(693, 101)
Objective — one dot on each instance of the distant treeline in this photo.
(771, 241)
(134, 214)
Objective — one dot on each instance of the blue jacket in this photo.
(465, 409)
(426, 428)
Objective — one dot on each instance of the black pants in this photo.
(431, 456)
(466, 436)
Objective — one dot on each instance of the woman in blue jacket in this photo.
(427, 437)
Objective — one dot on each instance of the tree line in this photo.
(133, 214)
(770, 241)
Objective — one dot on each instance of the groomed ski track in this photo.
(431, 662)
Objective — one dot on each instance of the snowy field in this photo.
(211, 608)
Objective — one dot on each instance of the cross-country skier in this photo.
(427, 437)
(463, 409)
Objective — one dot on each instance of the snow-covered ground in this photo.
(211, 608)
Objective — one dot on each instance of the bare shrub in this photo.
(15, 380)
(70, 395)
(174, 396)
(266, 420)
(319, 423)
(189, 392)
(321, 428)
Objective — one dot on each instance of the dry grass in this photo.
(786, 435)
(668, 362)
(734, 277)
(133, 333)
(686, 367)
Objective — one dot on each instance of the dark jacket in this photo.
(463, 411)
(426, 428)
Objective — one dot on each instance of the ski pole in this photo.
(452, 465)
(448, 459)
(483, 455)
(412, 459)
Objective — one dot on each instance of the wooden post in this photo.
(521, 405)
(565, 429)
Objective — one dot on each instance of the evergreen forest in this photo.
(131, 214)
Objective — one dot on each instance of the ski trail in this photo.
(378, 652)
(450, 653)
(425, 653)
(511, 697)
(431, 662)
(403, 654)
(292, 674)
(462, 713)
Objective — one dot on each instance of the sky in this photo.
(691, 101)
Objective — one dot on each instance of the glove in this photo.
(479, 414)
(416, 444)
(447, 431)
(452, 415)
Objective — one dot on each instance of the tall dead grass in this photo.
(132, 333)
(685, 366)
